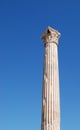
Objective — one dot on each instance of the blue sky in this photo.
(21, 61)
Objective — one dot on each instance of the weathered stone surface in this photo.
(51, 99)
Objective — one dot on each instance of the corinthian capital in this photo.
(50, 36)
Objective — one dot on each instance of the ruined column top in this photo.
(50, 36)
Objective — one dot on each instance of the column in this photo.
(50, 93)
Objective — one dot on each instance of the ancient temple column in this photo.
(50, 95)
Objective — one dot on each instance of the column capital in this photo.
(50, 36)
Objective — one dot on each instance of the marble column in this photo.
(50, 92)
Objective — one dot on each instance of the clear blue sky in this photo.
(21, 61)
